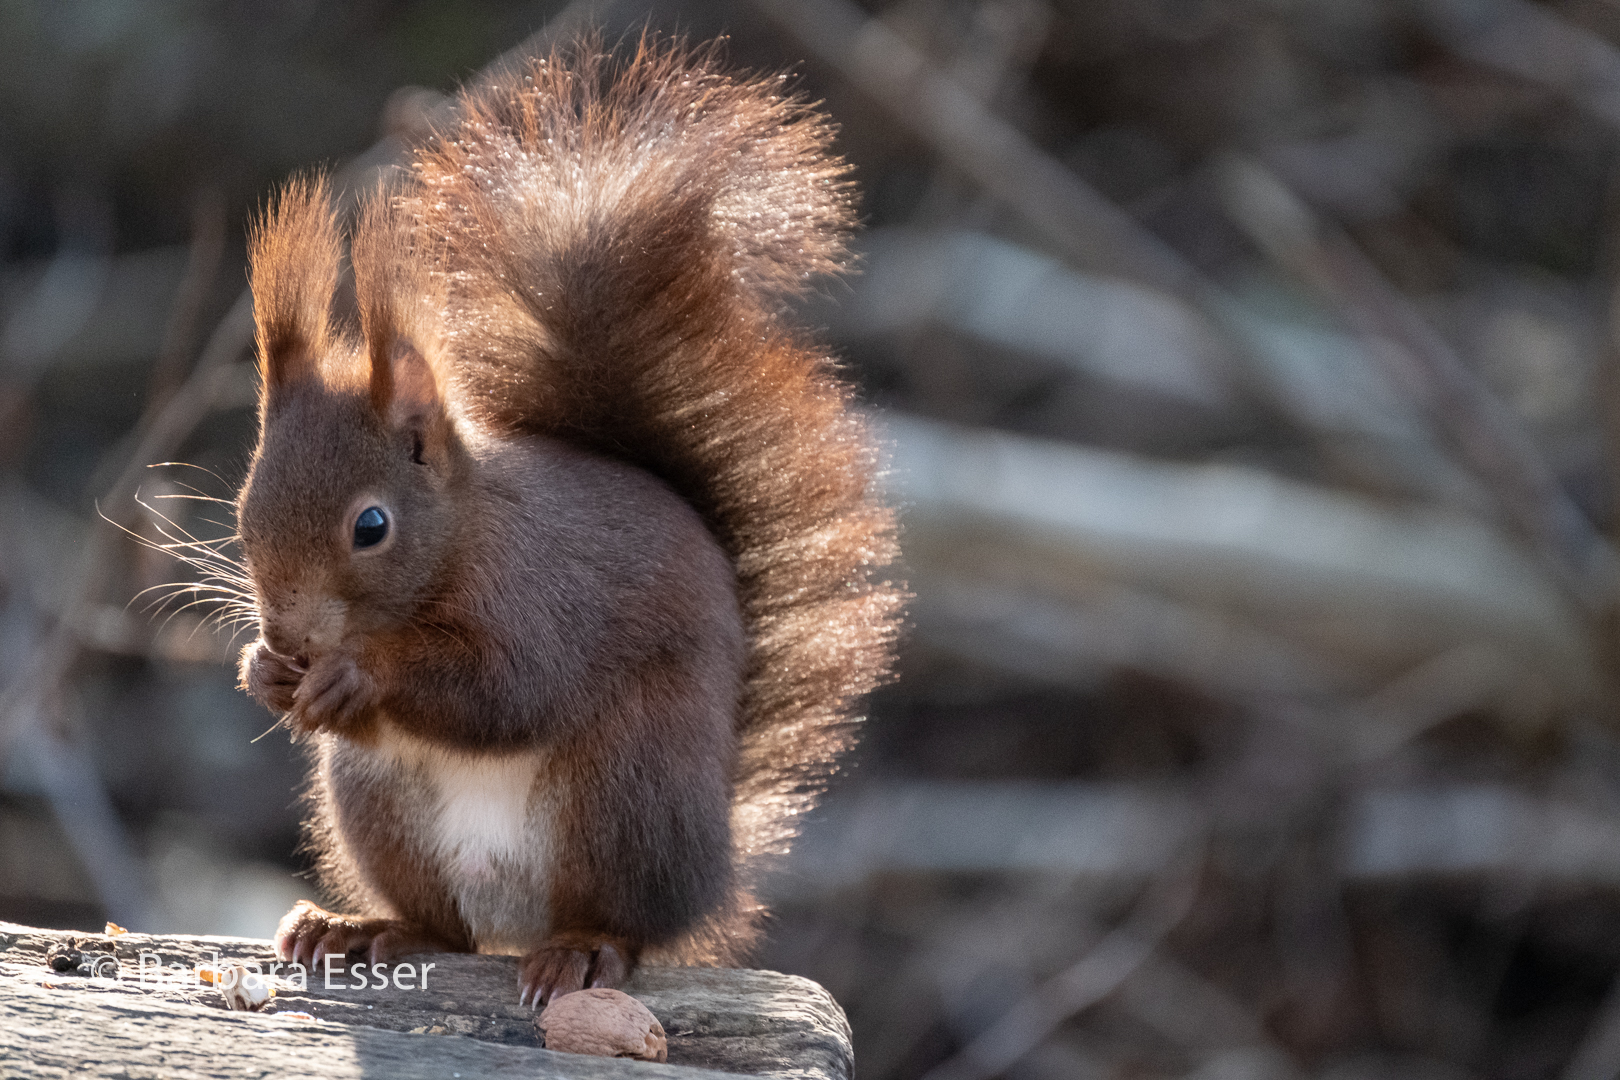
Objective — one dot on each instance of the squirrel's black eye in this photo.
(370, 527)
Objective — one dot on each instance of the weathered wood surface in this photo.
(467, 1021)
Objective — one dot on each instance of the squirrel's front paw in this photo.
(270, 677)
(334, 694)
(569, 962)
(308, 934)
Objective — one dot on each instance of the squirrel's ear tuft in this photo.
(395, 289)
(295, 253)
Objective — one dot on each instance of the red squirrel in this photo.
(567, 560)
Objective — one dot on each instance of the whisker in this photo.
(223, 582)
(188, 465)
(199, 492)
(279, 721)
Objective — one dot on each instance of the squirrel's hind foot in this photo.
(308, 934)
(569, 962)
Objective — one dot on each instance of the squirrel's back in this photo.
(617, 234)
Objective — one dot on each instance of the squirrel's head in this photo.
(348, 509)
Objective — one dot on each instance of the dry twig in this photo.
(1088, 981)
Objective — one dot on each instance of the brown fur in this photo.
(634, 528)
(296, 254)
(619, 232)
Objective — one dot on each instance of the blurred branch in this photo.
(1014, 298)
(77, 793)
(1047, 558)
(1095, 234)
(1085, 227)
(65, 296)
(1598, 1055)
(1089, 980)
(1189, 1008)
(79, 799)
(1421, 361)
(1535, 43)
(202, 268)
(1128, 832)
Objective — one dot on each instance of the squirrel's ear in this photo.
(405, 393)
(404, 390)
(395, 290)
(295, 254)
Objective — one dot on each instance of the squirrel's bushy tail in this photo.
(618, 232)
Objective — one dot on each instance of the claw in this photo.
(609, 968)
(571, 963)
(333, 693)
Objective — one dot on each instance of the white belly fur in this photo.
(491, 830)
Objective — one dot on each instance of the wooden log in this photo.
(465, 1021)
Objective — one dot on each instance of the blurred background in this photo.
(1250, 369)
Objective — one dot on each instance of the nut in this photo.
(243, 990)
(607, 1023)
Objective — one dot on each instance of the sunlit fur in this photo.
(619, 232)
(573, 307)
